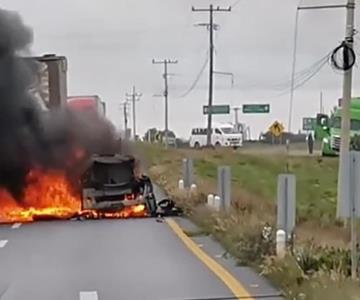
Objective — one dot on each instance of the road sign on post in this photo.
(277, 128)
(256, 108)
(286, 203)
(217, 109)
(309, 124)
(224, 186)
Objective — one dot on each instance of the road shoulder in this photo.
(244, 282)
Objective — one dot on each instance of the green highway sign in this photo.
(256, 108)
(217, 109)
(309, 124)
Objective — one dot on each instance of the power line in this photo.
(285, 85)
(195, 82)
(235, 3)
(304, 74)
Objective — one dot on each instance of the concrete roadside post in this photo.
(211, 201)
(280, 243)
(349, 206)
(286, 204)
(181, 185)
(224, 187)
(187, 172)
(217, 203)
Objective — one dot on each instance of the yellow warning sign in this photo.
(277, 128)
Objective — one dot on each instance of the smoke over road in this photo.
(29, 137)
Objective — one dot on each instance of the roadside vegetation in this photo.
(319, 264)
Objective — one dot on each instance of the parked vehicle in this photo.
(327, 129)
(222, 135)
(87, 103)
(49, 85)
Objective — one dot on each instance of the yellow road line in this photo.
(230, 281)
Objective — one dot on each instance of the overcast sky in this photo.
(110, 45)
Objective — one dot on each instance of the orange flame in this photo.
(46, 194)
(50, 195)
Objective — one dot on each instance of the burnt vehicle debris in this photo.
(110, 185)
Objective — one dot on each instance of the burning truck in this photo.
(56, 160)
(112, 184)
(84, 173)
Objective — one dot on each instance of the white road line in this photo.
(16, 225)
(88, 296)
(3, 243)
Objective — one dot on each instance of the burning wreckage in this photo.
(111, 188)
(54, 161)
(108, 188)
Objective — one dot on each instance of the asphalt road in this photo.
(101, 259)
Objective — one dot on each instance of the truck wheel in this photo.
(197, 145)
(217, 145)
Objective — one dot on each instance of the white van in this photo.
(222, 136)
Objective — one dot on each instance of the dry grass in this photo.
(286, 274)
(255, 183)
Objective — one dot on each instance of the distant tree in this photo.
(150, 135)
(171, 134)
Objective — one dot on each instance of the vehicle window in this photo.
(355, 125)
(337, 122)
(217, 131)
(227, 130)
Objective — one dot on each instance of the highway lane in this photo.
(101, 259)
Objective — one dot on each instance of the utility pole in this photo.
(321, 103)
(211, 27)
(236, 116)
(236, 111)
(345, 130)
(134, 97)
(165, 62)
(344, 160)
(347, 86)
(125, 112)
(345, 112)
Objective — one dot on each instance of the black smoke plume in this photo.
(30, 137)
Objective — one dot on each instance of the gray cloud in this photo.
(110, 45)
